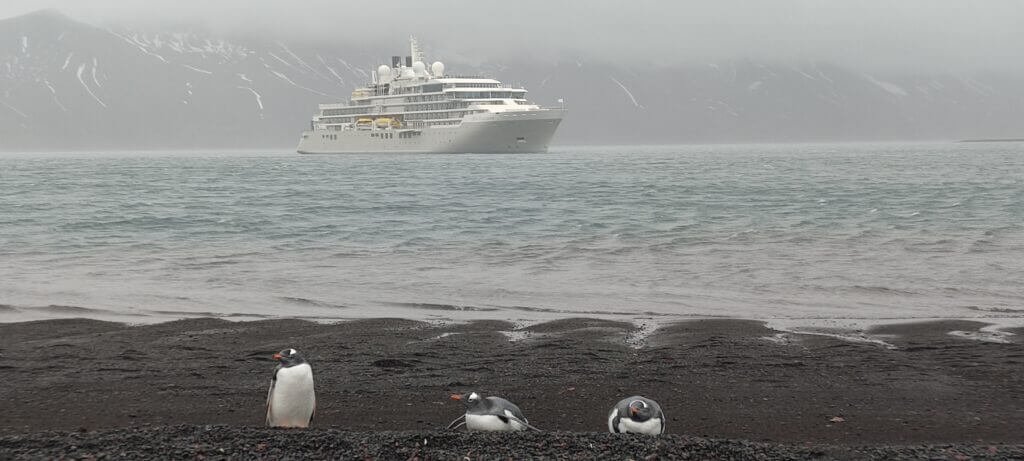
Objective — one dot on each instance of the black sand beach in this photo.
(198, 386)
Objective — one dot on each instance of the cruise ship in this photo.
(409, 107)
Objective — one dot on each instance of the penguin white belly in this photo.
(491, 423)
(650, 427)
(293, 400)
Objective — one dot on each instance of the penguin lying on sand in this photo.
(636, 415)
(291, 400)
(490, 414)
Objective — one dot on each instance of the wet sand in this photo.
(717, 379)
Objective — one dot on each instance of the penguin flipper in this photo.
(458, 422)
(520, 421)
(270, 393)
(613, 422)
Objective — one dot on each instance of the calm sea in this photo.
(802, 233)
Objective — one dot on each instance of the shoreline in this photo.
(991, 328)
(716, 378)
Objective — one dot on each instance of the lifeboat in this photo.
(385, 122)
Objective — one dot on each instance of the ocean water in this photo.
(794, 233)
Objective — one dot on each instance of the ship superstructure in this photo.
(410, 108)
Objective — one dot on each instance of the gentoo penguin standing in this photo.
(490, 414)
(291, 401)
(636, 415)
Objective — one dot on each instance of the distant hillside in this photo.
(68, 85)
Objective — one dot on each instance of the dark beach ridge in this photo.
(730, 388)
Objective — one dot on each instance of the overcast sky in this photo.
(933, 34)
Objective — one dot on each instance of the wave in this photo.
(60, 309)
(210, 314)
(997, 310)
(313, 302)
(883, 290)
(442, 307)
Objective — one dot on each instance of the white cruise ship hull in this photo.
(504, 132)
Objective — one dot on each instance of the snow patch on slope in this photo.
(300, 61)
(330, 69)
(891, 88)
(95, 64)
(137, 45)
(628, 93)
(81, 69)
(202, 71)
(271, 53)
(16, 111)
(285, 78)
(259, 99)
(53, 94)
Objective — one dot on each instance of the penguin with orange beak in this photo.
(636, 415)
(291, 401)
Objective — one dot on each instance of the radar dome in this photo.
(437, 68)
(419, 68)
(384, 73)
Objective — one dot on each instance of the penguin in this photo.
(291, 401)
(490, 414)
(636, 415)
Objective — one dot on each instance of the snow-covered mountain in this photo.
(70, 85)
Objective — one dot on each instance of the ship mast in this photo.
(415, 51)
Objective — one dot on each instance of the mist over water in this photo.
(804, 233)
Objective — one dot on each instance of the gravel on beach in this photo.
(226, 442)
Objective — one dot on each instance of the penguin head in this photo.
(289, 357)
(640, 410)
(471, 399)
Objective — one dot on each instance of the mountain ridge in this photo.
(65, 84)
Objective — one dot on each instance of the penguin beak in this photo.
(633, 411)
(456, 397)
(277, 356)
